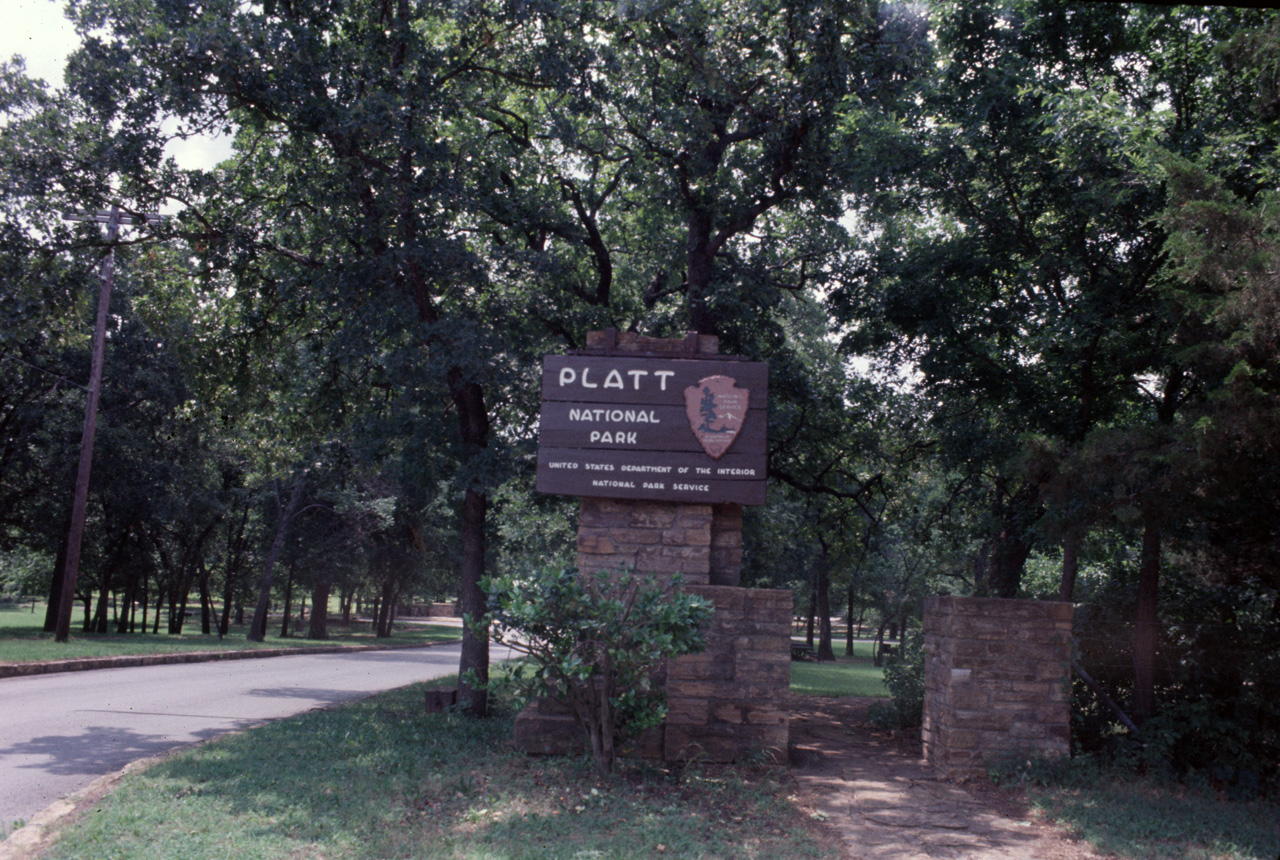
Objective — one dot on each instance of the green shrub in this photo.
(594, 641)
(904, 676)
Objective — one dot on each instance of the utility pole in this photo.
(75, 533)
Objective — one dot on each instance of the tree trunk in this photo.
(99, 623)
(1070, 566)
(1146, 631)
(877, 648)
(178, 608)
(825, 651)
(382, 625)
(258, 629)
(55, 585)
(811, 615)
(1016, 514)
(206, 601)
(319, 625)
(224, 623)
(699, 268)
(288, 603)
(235, 551)
(80, 500)
(125, 622)
(848, 633)
(475, 647)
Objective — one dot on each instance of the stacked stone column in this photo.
(997, 681)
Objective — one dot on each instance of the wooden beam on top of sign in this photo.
(648, 428)
(643, 380)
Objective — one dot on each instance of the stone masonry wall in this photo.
(997, 681)
(661, 538)
(730, 700)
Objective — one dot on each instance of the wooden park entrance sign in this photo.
(664, 440)
(653, 427)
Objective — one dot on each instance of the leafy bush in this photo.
(1217, 718)
(23, 572)
(595, 641)
(904, 676)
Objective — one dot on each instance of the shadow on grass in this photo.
(1134, 818)
(378, 779)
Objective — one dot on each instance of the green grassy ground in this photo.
(1143, 820)
(22, 640)
(845, 676)
(1149, 817)
(380, 780)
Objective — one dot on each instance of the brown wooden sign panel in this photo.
(658, 428)
(643, 475)
(646, 428)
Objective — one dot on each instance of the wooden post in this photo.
(75, 534)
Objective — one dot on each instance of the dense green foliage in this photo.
(1012, 263)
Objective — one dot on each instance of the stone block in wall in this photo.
(744, 678)
(648, 537)
(726, 545)
(545, 727)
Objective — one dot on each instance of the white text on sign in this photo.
(613, 379)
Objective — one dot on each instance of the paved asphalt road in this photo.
(59, 732)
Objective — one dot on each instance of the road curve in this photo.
(60, 732)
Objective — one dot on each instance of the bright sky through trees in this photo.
(39, 31)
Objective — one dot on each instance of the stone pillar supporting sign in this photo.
(728, 701)
(997, 681)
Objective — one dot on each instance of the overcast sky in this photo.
(38, 30)
(41, 33)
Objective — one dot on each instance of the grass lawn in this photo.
(1147, 818)
(22, 640)
(379, 780)
(845, 676)
(1141, 819)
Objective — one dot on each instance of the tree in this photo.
(356, 126)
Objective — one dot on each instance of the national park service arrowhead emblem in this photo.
(716, 407)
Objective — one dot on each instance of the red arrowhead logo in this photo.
(716, 407)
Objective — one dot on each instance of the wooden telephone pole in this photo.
(114, 219)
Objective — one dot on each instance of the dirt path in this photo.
(885, 804)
